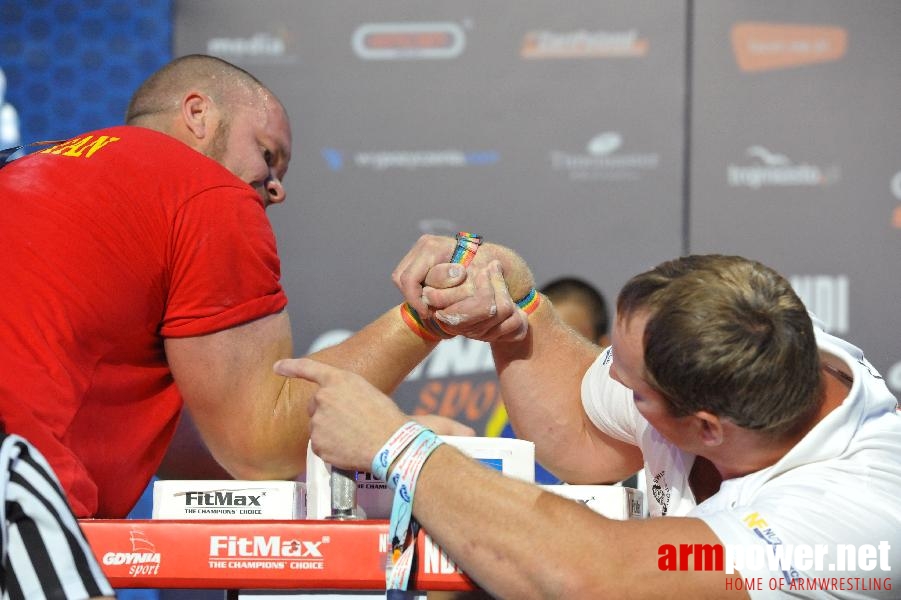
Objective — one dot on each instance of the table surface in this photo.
(251, 554)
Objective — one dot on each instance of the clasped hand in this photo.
(350, 419)
(473, 302)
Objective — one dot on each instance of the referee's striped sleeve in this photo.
(45, 553)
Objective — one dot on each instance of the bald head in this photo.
(163, 91)
(222, 112)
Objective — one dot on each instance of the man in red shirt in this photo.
(140, 272)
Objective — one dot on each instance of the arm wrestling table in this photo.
(260, 555)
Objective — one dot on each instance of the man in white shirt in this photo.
(763, 438)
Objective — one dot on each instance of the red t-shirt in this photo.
(111, 242)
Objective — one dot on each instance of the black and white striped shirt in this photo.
(44, 553)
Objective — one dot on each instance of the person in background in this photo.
(759, 433)
(581, 306)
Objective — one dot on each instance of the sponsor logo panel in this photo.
(409, 41)
(767, 46)
(272, 552)
(766, 168)
(543, 44)
(826, 296)
(142, 559)
(604, 160)
(435, 561)
(408, 160)
(257, 48)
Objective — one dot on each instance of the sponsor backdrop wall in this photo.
(597, 140)
(597, 137)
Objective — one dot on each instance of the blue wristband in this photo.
(401, 529)
(393, 448)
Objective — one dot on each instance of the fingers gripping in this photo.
(486, 310)
(413, 269)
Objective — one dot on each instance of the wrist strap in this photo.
(402, 528)
(393, 448)
(530, 301)
(426, 329)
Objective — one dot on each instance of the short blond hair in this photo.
(730, 336)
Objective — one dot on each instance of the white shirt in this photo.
(841, 484)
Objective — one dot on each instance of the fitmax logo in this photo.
(220, 498)
(263, 546)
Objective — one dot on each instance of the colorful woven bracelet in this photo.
(427, 330)
(466, 248)
(530, 302)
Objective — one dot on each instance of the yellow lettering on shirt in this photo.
(77, 147)
(754, 520)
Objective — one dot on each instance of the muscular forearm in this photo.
(518, 541)
(256, 423)
(540, 382)
(383, 352)
(517, 275)
(501, 532)
(513, 538)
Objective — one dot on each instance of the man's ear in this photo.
(711, 428)
(196, 112)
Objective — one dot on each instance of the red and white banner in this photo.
(349, 555)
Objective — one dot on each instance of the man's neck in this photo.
(758, 452)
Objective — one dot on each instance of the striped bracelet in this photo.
(529, 303)
(466, 248)
(430, 329)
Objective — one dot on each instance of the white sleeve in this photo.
(608, 403)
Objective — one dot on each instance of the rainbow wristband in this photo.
(530, 301)
(466, 248)
(427, 330)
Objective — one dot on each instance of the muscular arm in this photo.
(513, 538)
(518, 541)
(256, 423)
(541, 379)
(540, 374)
